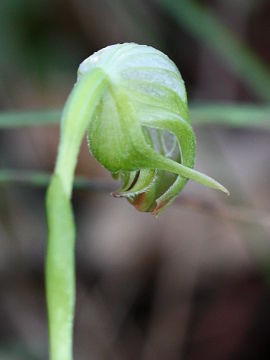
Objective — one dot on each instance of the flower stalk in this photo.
(60, 262)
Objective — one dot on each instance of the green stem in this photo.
(202, 113)
(42, 179)
(204, 25)
(60, 264)
(31, 118)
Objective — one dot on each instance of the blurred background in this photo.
(193, 284)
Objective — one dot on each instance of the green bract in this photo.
(140, 129)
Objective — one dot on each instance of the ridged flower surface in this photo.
(140, 130)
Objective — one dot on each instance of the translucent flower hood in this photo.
(140, 130)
